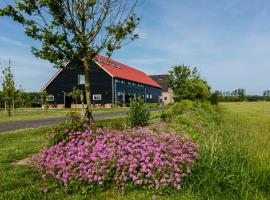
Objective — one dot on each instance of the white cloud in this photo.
(12, 41)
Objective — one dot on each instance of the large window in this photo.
(81, 79)
(96, 96)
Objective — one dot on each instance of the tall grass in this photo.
(235, 154)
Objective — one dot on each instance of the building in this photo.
(111, 83)
(167, 93)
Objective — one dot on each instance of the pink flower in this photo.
(45, 189)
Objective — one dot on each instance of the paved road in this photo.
(16, 125)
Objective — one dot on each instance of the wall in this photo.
(101, 83)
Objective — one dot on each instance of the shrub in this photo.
(176, 109)
(215, 98)
(138, 114)
(118, 103)
(61, 131)
(151, 105)
(138, 158)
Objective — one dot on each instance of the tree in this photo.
(8, 87)
(21, 97)
(240, 93)
(43, 98)
(75, 95)
(186, 83)
(266, 93)
(215, 97)
(76, 30)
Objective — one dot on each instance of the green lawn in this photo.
(235, 162)
(35, 114)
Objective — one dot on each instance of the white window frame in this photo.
(81, 81)
(50, 98)
(150, 96)
(97, 97)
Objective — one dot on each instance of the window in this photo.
(150, 96)
(122, 81)
(147, 96)
(81, 79)
(96, 96)
(50, 98)
(165, 98)
(116, 80)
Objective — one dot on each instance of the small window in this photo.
(116, 80)
(50, 98)
(165, 98)
(122, 81)
(147, 96)
(150, 96)
(96, 96)
(81, 79)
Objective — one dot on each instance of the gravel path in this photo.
(16, 125)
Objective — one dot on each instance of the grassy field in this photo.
(35, 114)
(235, 161)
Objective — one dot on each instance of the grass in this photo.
(235, 153)
(235, 161)
(37, 113)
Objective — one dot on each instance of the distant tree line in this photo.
(239, 95)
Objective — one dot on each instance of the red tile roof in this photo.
(119, 70)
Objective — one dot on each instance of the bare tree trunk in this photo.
(9, 108)
(88, 110)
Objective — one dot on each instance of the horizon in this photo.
(228, 41)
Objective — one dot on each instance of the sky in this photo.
(227, 40)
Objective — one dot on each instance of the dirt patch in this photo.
(25, 161)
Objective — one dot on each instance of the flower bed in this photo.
(137, 158)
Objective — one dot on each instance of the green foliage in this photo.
(215, 98)
(186, 83)
(138, 114)
(75, 94)
(239, 95)
(61, 131)
(76, 30)
(151, 105)
(177, 109)
(234, 162)
(9, 91)
(266, 93)
(118, 103)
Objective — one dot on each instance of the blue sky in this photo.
(227, 40)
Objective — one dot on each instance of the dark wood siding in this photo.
(101, 83)
(129, 88)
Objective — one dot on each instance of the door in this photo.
(67, 102)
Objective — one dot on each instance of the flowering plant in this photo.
(137, 158)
